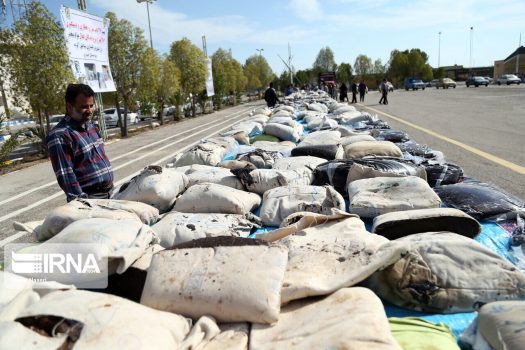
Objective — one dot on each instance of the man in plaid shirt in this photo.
(77, 151)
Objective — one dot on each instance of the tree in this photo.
(344, 73)
(39, 65)
(169, 86)
(192, 63)
(411, 63)
(379, 67)
(149, 81)
(127, 46)
(325, 61)
(363, 65)
(228, 76)
(258, 72)
(10, 144)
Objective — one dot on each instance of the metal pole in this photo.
(149, 24)
(439, 50)
(471, 34)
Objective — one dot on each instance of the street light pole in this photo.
(439, 50)
(471, 44)
(149, 21)
(260, 51)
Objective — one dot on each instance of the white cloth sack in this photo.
(176, 228)
(125, 240)
(329, 252)
(372, 148)
(284, 132)
(348, 140)
(501, 324)
(444, 272)
(238, 282)
(262, 159)
(321, 123)
(318, 107)
(156, 186)
(79, 209)
(324, 137)
(204, 173)
(380, 195)
(214, 198)
(203, 153)
(284, 120)
(351, 318)
(283, 147)
(111, 322)
(280, 202)
(261, 180)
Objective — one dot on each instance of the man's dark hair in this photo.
(73, 90)
(271, 84)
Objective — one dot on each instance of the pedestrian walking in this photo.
(77, 150)
(383, 89)
(363, 89)
(270, 96)
(343, 92)
(353, 87)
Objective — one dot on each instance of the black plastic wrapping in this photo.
(328, 152)
(333, 173)
(480, 200)
(390, 135)
(443, 174)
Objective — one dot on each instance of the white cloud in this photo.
(308, 10)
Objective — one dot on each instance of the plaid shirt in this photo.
(78, 157)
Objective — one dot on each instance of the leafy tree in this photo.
(344, 73)
(258, 72)
(39, 65)
(192, 63)
(325, 61)
(169, 86)
(379, 67)
(149, 81)
(228, 76)
(363, 65)
(411, 63)
(9, 145)
(127, 46)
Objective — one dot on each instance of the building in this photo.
(514, 64)
(460, 73)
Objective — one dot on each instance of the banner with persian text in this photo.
(87, 45)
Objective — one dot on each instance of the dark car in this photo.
(414, 84)
(477, 81)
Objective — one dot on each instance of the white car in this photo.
(508, 79)
(54, 120)
(111, 117)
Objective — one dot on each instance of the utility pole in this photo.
(439, 49)
(471, 45)
(289, 63)
(260, 51)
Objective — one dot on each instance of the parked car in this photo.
(445, 83)
(432, 83)
(54, 120)
(490, 80)
(111, 117)
(414, 84)
(508, 79)
(476, 81)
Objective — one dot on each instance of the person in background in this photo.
(343, 92)
(383, 89)
(289, 90)
(363, 89)
(270, 96)
(77, 150)
(353, 87)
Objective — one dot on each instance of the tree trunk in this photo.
(45, 151)
(160, 115)
(119, 117)
(193, 106)
(4, 99)
(124, 132)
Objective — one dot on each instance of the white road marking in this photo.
(57, 194)
(25, 193)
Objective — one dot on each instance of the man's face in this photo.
(82, 109)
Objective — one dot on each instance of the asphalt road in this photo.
(29, 194)
(481, 129)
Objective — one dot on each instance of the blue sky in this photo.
(348, 27)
